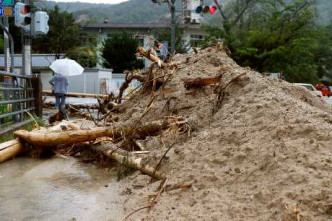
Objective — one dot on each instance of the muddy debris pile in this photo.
(222, 142)
(257, 148)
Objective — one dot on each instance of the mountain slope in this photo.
(144, 11)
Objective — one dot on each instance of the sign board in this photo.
(7, 2)
(7, 11)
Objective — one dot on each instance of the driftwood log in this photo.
(73, 94)
(77, 106)
(149, 55)
(201, 82)
(143, 78)
(52, 139)
(123, 157)
(10, 149)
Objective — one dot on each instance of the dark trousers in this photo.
(60, 100)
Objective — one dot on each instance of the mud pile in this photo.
(263, 153)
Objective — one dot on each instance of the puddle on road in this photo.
(58, 189)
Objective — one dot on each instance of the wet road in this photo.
(74, 100)
(58, 189)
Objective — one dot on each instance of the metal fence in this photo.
(16, 97)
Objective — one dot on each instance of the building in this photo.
(93, 80)
(145, 32)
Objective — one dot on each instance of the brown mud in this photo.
(259, 150)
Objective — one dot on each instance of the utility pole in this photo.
(26, 53)
(6, 44)
(26, 49)
(173, 22)
(171, 6)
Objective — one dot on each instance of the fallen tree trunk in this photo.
(123, 157)
(201, 82)
(73, 94)
(52, 139)
(10, 149)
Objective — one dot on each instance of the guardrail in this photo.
(17, 97)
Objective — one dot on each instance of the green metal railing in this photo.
(16, 97)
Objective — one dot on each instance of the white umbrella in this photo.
(66, 67)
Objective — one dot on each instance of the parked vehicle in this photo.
(326, 91)
(311, 88)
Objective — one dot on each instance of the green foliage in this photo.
(5, 109)
(274, 36)
(30, 126)
(119, 52)
(1, 44)
(64, 34)
(165, 35)
(86, 54)
(133, 11)
(16, 34)
(66, 37)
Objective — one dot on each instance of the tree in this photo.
(273, 35)
(119, 52)
(165, 35)
(16, 34)
(1, 44)
(86, 53)
(64, 34)
(66, 37)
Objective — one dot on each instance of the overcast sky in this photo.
(94, 1)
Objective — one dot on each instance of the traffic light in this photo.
(40, 23)
(205, 9)
(22, 15)
(213, 9)
(199, 9)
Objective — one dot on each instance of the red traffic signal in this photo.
(25, 9)
(213, 9)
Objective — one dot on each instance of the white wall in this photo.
(117, 81)
(89, 82)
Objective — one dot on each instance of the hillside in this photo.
(133, 11)
(144, 11)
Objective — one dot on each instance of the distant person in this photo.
(60, 85)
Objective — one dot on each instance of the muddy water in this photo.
(58, 189)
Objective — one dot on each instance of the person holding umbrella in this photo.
(60, 89)
(63, 68)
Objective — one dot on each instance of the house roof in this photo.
(38, 61)
(136, 25)
(127, 25)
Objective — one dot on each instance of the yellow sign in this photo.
(8, 11)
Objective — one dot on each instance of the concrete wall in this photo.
(117, 80)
